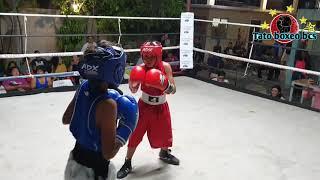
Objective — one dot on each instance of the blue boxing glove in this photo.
(128, 113)
(114, 94)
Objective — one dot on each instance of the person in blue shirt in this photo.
(94, 112)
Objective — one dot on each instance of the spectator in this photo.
(217, 48)
(41, 82)
(276, 92)
(220, 77)
(278, 52)
(17, 84)
(10, 65)
(198, 57)
(314, 93)
(90, 48)
(54, 63)
(165, 41)
(229, 48)
(267, 56)
(215, 61)
(24, 67)
(75, 67)
(239, 49)
(172, 58)
(301, 63)
(39, 61)
(90, 41)
(60, 67)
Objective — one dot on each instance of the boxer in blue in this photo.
(94, 112)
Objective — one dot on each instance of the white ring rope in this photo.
(228, 23)
(16, 56)
(65, 74)
(250, 54)
(119, 26)
(25, 20)
(89, 17)
(123, 17)
(257, 62)
(26, 42)
(75, 73)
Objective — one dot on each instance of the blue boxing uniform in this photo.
(105, 65)
(83, 124)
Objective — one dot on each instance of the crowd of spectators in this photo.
(42, 65)
(273, 54)
(262, 75)
(38, 65)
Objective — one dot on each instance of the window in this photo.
(220, 31)
(314, 44)
(309, 4)
(198, 1)
(280, 5)
(44, 4)
(238, 3)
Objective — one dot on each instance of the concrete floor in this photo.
(219, 134)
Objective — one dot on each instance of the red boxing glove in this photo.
(137, 75)
(155, 78)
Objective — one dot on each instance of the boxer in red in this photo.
(156, 80)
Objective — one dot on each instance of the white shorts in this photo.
(76, 171)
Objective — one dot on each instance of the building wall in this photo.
(231, 32)
(35, 26)
(42, 26)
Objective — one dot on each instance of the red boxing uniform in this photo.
(154, 117)
(154, 113)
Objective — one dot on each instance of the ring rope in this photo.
(25, 20)
(123, 17)
(250, 54)
(119, 26)
(64, 74)
(93, 34)
(258, 62)
(75, 73)
(15, 56)
(89, 17)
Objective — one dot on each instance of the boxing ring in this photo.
(218, 134)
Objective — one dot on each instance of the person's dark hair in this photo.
(12, 62)
(41, 67)
(54, 61)
(9, 66)
(10, 70)
(279, 90)
(36, 51)
(221, 73)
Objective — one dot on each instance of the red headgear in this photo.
(151, 49)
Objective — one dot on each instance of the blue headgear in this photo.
(104, 64)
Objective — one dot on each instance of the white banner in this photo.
(62, 83)
(186, 40)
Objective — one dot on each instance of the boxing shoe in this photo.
(125, 169)
(167, 157)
